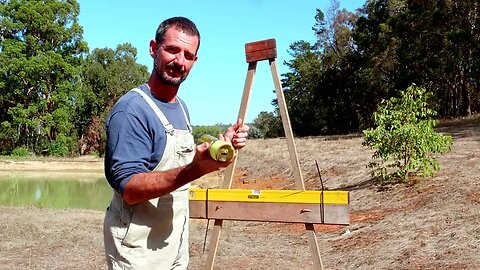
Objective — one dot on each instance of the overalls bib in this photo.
(153, 234)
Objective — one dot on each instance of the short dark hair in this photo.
(181, 23)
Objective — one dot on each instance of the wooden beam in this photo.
(228, 176)
(295, 206)
(338, 214)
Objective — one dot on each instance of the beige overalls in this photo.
(153, 234)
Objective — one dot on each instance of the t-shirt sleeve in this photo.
(129, 148)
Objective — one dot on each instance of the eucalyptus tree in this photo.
(299, 87)
(318, 88)
(433, 43)
(106, 75)
(358, 59)
(41, 48)
(462, 50)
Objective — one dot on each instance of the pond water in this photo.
(55, 192)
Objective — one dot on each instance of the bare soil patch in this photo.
(429, 223)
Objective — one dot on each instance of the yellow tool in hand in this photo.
(220, 150)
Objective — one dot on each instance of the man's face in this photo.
(174, 58)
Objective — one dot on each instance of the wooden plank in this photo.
(260, 50)
(212, 251)
(282, 105)
(247, 90)
(227, 180)
(198, 209)
(275, 212)
(313, 246)
(271, 196)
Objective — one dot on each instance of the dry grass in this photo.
(432, 224)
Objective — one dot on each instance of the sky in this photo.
(214, 88)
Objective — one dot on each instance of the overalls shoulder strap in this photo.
(185, 115)
(168, 127)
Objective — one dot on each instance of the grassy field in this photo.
(429, 223)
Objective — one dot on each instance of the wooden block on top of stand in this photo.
(261, 50)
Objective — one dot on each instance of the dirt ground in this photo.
(429, 223)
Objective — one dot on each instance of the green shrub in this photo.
(404, 139)
(255, 133)
(198, 131)
(61, 146)
(95, 154)
(21, 151)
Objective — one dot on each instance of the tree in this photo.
(268, 124)
(106, 75)
(334, 33)
(320, 93)
(335, 84)
(299, 87)
(41, 49)
(435, 44)
(462, 50)
(404, 139)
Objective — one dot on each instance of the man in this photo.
(151, 158)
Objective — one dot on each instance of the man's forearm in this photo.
(145, 186)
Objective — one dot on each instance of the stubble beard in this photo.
(167, 79)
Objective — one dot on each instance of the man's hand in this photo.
(203, 162)
(236, 134)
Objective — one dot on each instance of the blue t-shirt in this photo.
(135, 136)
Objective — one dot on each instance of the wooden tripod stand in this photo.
(331, 209)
